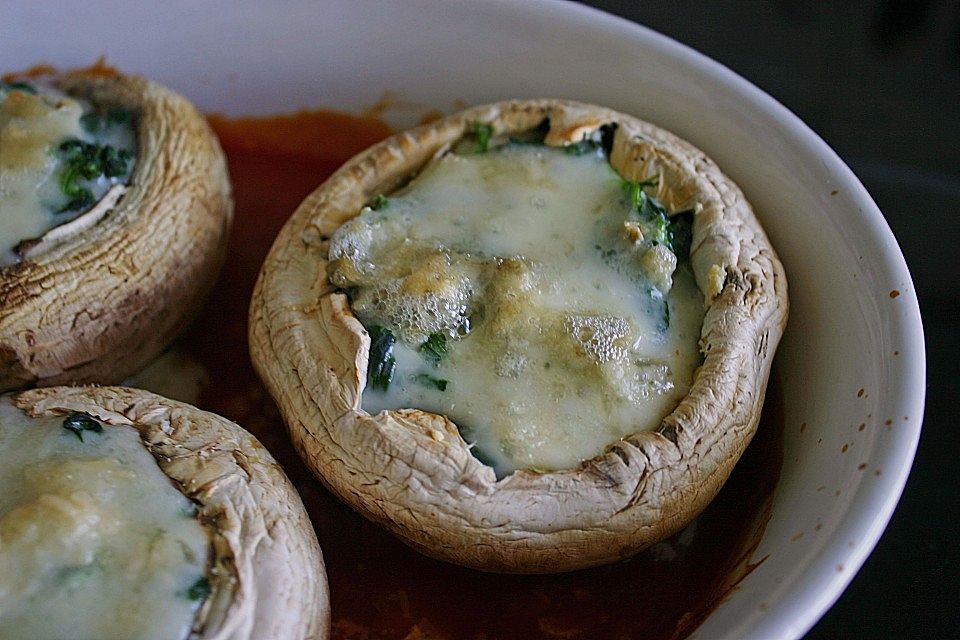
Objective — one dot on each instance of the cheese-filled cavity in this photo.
(95, 540)
(529, 294)
(59, 156)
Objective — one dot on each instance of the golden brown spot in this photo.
(894, 293)
(863, 425)
(796, 537)
(844, 448)
(632, 232)
(803, 427)
(860, 393)
(834, 192)
(861, 466)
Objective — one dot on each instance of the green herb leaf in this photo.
(634, 190)
(483, 132)
(87, 161)
(435, 348)
(18, 86)
(429, 381)
(379, 202)
(381, 365)
(114, 161)
(199, 590)
(79, 422)
(652, 211)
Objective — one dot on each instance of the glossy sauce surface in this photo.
(381, 589)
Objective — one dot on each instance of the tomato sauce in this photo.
(380, 588)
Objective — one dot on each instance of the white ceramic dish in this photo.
(853, 353)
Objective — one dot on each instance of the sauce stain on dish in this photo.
(379, 587)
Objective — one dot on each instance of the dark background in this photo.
(879, 80)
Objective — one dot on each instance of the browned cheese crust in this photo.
(411, 471)
(267, 575)
(98, 298)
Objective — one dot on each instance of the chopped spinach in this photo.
(654, 213)
(79, 422)
(87, 161)
(18, 85)
(380, 202)
(435, 348)
(634, 189)
(673, 232)
(429, 381)
(199, 590)
(381, 365)
(482, 131)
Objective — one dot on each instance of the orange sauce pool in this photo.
(381, 589)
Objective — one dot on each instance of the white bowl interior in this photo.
(847, 451)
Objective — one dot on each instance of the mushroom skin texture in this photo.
(267, 577)
(412, 472)
(98, 298)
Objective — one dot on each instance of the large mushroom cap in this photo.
(267, 576)
(98, 298)
(413, 473)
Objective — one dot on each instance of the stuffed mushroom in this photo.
(127, 515)
(533, 336)
(116, 207)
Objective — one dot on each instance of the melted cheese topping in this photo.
(95, 541)
(567, 326)
(32, 126)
